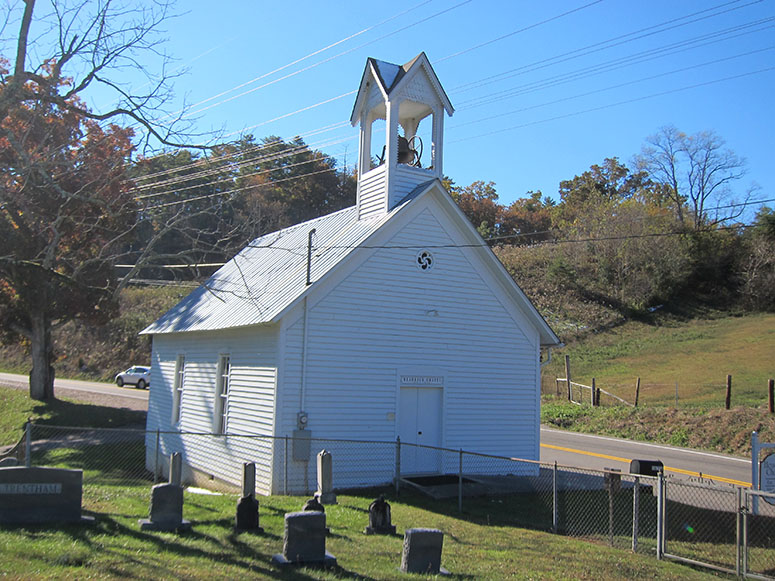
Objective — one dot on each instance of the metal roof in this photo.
(270, 273)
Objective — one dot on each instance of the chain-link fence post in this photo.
(739, 529)
(156, 457)
(285, 468)
(398, 464)
(28, 444)
(660, 515)
(635, 513)
(555, 507)
(460, 483)
(745, 532)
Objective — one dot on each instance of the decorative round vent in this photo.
(425, 260)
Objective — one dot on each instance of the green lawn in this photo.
(116, 548)
(17, 406)
(697, 355)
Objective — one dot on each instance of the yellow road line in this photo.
(667, 468)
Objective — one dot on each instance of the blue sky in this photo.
(542, 90)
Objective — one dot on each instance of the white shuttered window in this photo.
(177, 389)
(221, 414)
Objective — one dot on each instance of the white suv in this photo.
(139, 376)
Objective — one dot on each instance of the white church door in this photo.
(420, 423)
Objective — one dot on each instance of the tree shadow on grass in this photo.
(59, 412)
(157, 553)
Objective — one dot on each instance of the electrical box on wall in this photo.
(301, 420)
(301, 445)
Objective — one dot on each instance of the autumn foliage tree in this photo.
(67, 211)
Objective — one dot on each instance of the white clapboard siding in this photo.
(371, 193)
(376, 323)
(405, 179)
(253, 374)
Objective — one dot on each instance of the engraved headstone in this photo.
(326, 478)
(379, 518)
(304, 542)
(40, 495)
(422, 551)
(247, 506)
(166, 510)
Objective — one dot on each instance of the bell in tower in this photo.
(401, 97)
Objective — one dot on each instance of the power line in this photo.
(523, 29)
(555, 241)
(609, 88)
(616, 64)
(602, 45)
(611, 105)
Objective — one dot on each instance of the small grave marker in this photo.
(379, 518)
(326, 478)
(304, 542)
(422, 551)
(247, 506)
(166, 510)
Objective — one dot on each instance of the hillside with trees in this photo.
(95, 201)
(618, 244)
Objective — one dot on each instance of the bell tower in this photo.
(403, 97)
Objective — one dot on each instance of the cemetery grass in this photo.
(114, 547)
(17, 406)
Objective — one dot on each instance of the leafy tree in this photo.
(66, 211)
(698, 174)
(622, 248)
(531, 217)
(607, 184)
(479, 202)
(757, 268)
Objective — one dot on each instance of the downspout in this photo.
(548, 357)
(303, 390)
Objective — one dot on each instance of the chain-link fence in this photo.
(725, 528)
(716, 526)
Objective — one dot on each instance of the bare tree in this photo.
(698, 174)
(68, 211)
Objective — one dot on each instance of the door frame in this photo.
(419, 377)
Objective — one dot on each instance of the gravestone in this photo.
(247, 506)
(422, 551)
(314, 505)
(379, 518)
(166, 510)
(40, 495)
(304, 542)
(326, 478)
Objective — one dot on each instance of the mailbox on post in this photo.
(646, 467)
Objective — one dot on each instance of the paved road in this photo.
(566, 448)
(81, 386)
(573, 449)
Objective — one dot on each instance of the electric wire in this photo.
(602, 45)
(616, 104)
(622, 36)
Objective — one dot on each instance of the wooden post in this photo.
(728, 401)
(592, 394)
(597, 397)
(637, 391)
(567, 375)
(771, 392)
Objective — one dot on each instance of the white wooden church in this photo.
(388, 319)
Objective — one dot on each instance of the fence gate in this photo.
(702, 524)
(758, 534)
